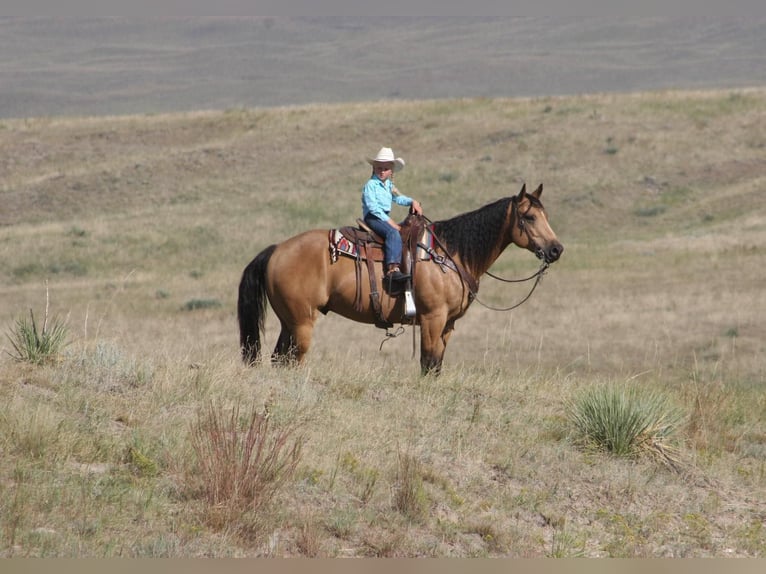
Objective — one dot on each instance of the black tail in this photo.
(251, 306)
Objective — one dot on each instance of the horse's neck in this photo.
(478, 249)
(480, 268)
(502, 240)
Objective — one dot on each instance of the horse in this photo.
(301, 281)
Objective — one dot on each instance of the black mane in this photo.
(474, 235)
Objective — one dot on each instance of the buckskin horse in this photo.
(302, 280)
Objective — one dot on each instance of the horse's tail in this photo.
(251, 306)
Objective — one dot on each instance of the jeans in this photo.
(393, 241)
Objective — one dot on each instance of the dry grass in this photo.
(241, 463)
(136, 221)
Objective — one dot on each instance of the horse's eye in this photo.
(529, 218)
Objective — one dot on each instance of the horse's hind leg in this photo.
(303, 335)
(285, 351)
(293, 343)
(296, 291)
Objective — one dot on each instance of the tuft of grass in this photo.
(309, 537)
(141, 464)
(448, 177)
(36, 345)
(650, 211)
(341, 523)
(494, 540)
(565, 544)
(410, 496)
(106, 368)
(194, 304)
(36, 434)
(365, 478)
(625, 421)
(241, 461)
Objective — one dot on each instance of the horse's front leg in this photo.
(435, 331)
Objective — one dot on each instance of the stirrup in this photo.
(397, 276)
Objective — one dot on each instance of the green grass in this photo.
(626, 420)
(37, 344)
(194, 304)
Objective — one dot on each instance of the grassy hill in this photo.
(139, 227)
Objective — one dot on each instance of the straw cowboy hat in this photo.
(385, 155)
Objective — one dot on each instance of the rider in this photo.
(377, 195)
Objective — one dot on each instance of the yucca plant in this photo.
(626, 421)
(37, 346)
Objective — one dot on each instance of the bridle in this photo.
(537, 276)
(518, 221)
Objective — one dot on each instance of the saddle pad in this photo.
(340, 245)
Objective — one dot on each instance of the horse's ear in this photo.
(538, 192)
(523, 191)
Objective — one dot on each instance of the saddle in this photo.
(363, 244)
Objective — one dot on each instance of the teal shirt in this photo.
(377, 197)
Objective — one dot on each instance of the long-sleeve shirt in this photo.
(377, 197)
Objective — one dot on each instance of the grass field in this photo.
(134, 230)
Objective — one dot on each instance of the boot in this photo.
(394, 274)
(395, 281)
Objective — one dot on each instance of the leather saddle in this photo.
(364, 245)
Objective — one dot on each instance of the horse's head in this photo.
(531, 229)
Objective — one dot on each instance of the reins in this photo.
(537, 276)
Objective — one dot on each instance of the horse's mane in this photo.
(474, 235)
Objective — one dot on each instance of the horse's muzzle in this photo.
(551, 253)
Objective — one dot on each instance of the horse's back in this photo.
(302, 257)
(300, 271)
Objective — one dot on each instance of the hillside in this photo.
(139, 227)
(85, 67)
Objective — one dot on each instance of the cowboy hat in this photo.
(386, 154)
